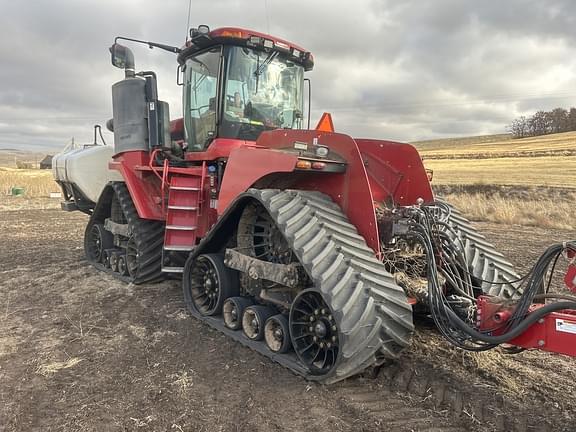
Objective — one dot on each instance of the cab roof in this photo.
(202, 38)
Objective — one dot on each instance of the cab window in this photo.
(200, 98)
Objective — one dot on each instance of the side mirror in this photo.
(122, 58)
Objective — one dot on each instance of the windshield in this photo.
(263, 91)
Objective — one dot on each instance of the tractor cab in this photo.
(238, 84)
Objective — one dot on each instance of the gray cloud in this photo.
(402, 69)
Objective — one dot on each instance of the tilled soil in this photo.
(80, 350)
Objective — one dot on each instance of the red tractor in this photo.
(311, 247)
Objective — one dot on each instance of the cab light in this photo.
(203, 29)
(304, 164)
(268, 43)
(255, 40)
(318, 165)
(296, 53)
(282, 46)
(231, 33)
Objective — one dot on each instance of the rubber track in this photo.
(484, 261)
(148, 235)
(373, 315)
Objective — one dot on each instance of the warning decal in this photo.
(565, 326)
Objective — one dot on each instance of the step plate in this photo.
(173, 269)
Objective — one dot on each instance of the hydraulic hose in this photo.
(516, 331)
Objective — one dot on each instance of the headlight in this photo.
(321, 151)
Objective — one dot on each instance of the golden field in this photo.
(558, 171)
(496, 144)
(499, 159)
(37, 183)
(532, 165)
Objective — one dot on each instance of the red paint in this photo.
(219, 148)
(546, 334)
(183, 211)
(375, 171)
(246, 166)
(395, 170)
(570, 278)
(144, 186)
(177, 129)
(224, 32)
(350, 190)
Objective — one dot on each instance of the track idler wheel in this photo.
(208, 283)
(254, 320)
(233, 310)
(277, 334)
(314, 332)
(106, 259)
(122, 269)
(96, 241)
(114, 261)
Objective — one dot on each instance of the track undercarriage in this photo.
(311, 295)
(297, 283)
(117, 241)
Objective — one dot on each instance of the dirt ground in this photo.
(82, 351)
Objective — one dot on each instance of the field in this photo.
(498, 159)
(80, 350)
(36, 183)
(558, 171)
(561, 143)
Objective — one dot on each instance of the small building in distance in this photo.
(46, 163)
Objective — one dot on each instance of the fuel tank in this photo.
(86, 168)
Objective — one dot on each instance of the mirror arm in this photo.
(164, 47)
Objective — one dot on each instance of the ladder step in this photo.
(185, 188)
(177, 207)
(178, 248)
(173, 269)
(181, 227)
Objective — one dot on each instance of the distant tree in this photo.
(539, 123)
(519, 127)
(572, 119)
(544, 122)
(558, 120)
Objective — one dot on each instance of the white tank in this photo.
(86, 167)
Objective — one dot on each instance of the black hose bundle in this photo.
(429, 226)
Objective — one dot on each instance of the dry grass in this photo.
(534, 211)
(557, 171)
(37, 183)
(52, 368)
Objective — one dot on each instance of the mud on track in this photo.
(82, 351)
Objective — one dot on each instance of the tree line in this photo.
(543, 123)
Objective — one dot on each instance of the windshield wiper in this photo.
(265, 63)
(261, 66)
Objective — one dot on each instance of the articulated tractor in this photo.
(309, 246)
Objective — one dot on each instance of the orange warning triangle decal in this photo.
(325, 124)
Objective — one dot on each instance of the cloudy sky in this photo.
(396, 69)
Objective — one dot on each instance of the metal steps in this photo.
(182, 217)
